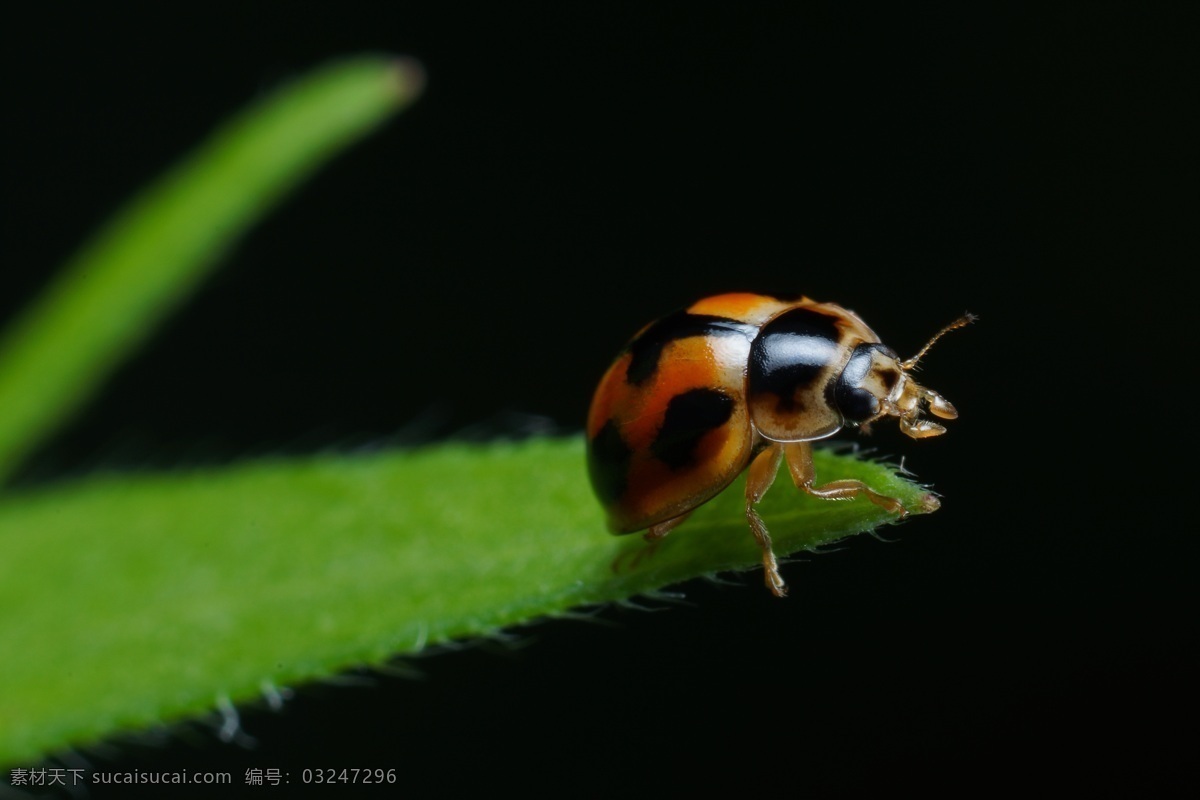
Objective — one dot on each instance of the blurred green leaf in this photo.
(150, 256)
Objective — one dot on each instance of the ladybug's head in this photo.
(876, 383)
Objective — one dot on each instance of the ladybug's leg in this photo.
(655, 535)
(659, 532)
(800, 464)
(759, 478)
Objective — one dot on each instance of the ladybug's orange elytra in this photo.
(743, 382)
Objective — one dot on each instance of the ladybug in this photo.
(743, 382)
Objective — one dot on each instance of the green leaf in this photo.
(152, 254)
(141, 599)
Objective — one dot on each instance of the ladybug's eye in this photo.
(857, 405)
(853, 399)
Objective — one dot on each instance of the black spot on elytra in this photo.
(688, 418)
(790, 353)
(608, 463)
(646, 350)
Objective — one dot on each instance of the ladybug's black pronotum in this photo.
(743, 381)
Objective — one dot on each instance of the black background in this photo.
(575, 171)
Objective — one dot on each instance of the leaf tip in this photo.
(927, 503)
(407, 78)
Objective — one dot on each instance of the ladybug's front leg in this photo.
(759, 478)
(800, 464)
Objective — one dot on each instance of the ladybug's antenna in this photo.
(964, 320)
